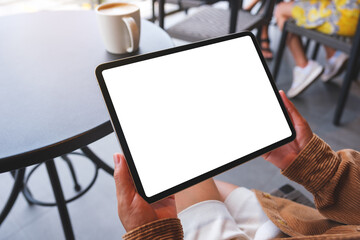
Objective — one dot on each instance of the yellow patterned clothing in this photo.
(328, 16)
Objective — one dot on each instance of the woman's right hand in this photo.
(283, 156)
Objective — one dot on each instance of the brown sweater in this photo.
(332, 177)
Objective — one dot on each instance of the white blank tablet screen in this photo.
(187, 113)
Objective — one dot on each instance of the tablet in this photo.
(188, 113)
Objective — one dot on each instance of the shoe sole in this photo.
(307, 84)
(337, 73)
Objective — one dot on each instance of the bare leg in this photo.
(296, 48)
(264, 33)
(265, 45)
(283, 13)
(329, 52)
(203, 191)
(251, 5)
(225, 188)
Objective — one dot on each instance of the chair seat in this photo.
(187, 3)
(350, 45)
(335, 41)
(211, 22)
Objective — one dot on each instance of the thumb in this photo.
(295, 116)
(125, 188)
(302, 128)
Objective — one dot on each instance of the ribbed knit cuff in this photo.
(168, 228)
(314, 166)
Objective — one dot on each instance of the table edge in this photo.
(55, 150)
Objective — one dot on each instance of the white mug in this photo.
(119, 25)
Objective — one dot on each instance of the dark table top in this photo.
(50, 103)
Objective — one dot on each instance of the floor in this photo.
(94, 216)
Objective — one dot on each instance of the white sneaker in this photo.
(334, 66)
(304, 77)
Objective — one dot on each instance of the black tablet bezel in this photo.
(120, 135)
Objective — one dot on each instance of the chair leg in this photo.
(153, 11)
(351, 72)
(60, 200)
(280, 52)
(316, 50)
(91, 155)
(161, 15)
(19, 180)
(258, 34)
(77, 186)
(13, 174)
(307, 44)
(234, 7)
(342, 99)
(358, 72)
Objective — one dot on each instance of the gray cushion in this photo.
(211, 22)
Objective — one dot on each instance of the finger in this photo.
(290, 107)
(303, 130)
(124, 185)
(284, 99)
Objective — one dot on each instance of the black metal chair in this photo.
(16, 189)
(21, 180)
(183, 5)
(348, 45)
(210, 22)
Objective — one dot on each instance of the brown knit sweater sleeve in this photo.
(169, 228)
(332, 177)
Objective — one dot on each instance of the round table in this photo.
(50, 103)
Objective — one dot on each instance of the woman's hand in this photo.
(283, 156)
(133, 210)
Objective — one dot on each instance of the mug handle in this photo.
(133, 32)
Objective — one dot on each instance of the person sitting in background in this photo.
(265, 40)
(338, 17)
(218, 210)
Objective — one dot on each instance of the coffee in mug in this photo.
(119, 25)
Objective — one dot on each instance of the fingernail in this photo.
(116, 159)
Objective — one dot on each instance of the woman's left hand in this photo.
(133, 210)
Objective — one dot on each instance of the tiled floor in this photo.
(94, 215)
